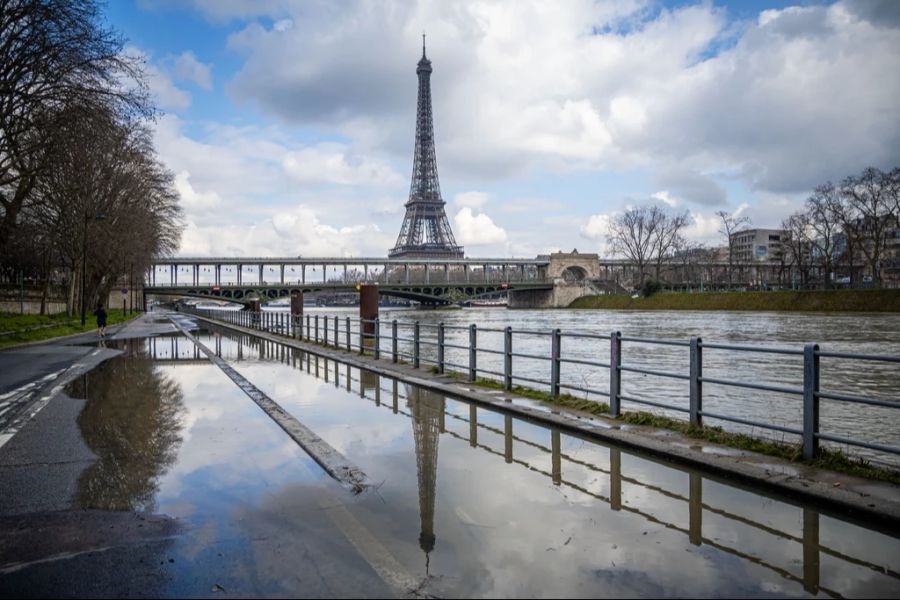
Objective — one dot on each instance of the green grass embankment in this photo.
(811, 301)
(18, 329)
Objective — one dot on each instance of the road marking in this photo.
(27, 391)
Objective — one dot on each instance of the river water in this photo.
(468, 502)
(868, 333)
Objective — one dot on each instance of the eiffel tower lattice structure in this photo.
(426, 231)
(426, 408)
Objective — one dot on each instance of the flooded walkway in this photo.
(464, 501)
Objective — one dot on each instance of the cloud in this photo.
(292, 232)
(333, 163)
(476, 229)
(665, 197)
(191, 199)
(692, 186)
(591, 86)
(164, 91)
(186, 67)
(596, 228)
(475, 200)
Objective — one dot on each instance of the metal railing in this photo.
(405, 341)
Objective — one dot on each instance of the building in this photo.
(757, 245)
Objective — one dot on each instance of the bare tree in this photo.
(667, 236)
(53, 53)
(731, 224)
(869, 195)
(823, 209)
(646, 235)
(632, 234)
(796, 244)
(108, 202)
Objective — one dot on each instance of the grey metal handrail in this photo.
(365, 336)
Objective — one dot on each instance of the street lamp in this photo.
(97, 217)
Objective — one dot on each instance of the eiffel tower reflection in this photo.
(427, 410)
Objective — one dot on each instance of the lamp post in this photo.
(97, 217)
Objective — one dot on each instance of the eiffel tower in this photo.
(427, 409)
(426, 231)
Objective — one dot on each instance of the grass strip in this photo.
(34, 328)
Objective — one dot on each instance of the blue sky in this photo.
(290, 124)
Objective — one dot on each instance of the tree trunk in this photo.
(70, 298)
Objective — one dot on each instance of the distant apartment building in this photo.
(757, 245)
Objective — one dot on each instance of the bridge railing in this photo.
(555, 362)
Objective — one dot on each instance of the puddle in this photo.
(492, 505)
(467, 502)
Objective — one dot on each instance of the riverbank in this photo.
(788, 300)
(20, 329)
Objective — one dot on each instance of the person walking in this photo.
(100, 313)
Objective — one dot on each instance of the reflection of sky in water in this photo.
(501, 529)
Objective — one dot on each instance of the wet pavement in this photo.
(169, 481)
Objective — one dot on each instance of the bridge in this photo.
(545, 281)
(427, 280)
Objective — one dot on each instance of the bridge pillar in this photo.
(297, 306)
(260, 274)
(368, 308)
(282, 275)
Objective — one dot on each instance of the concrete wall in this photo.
(32, 307)
(561, 296)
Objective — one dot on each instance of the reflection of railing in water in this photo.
(351, 335)
(370, 388)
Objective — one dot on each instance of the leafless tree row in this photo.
(82, 193)
(850, 229)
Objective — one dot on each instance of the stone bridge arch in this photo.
(573, 266)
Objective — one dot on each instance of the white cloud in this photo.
(596, 228)
(191, 199)
(666, 197)
(475, 200)
(476, 229)
(704, 228)
(333, 163)
(186, 67)
(292, 232)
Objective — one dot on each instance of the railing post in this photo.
(615, 375)
(440, 348)
(416, 345)
(325, 330)
(696, 402)
(362, 336)
(507, 358)
(377, 338)
(349, 346)
(554, 363)
(810, 401)
(337, 332)
(307, 328)
(394, 355)
(473, 348)
(317, 329)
